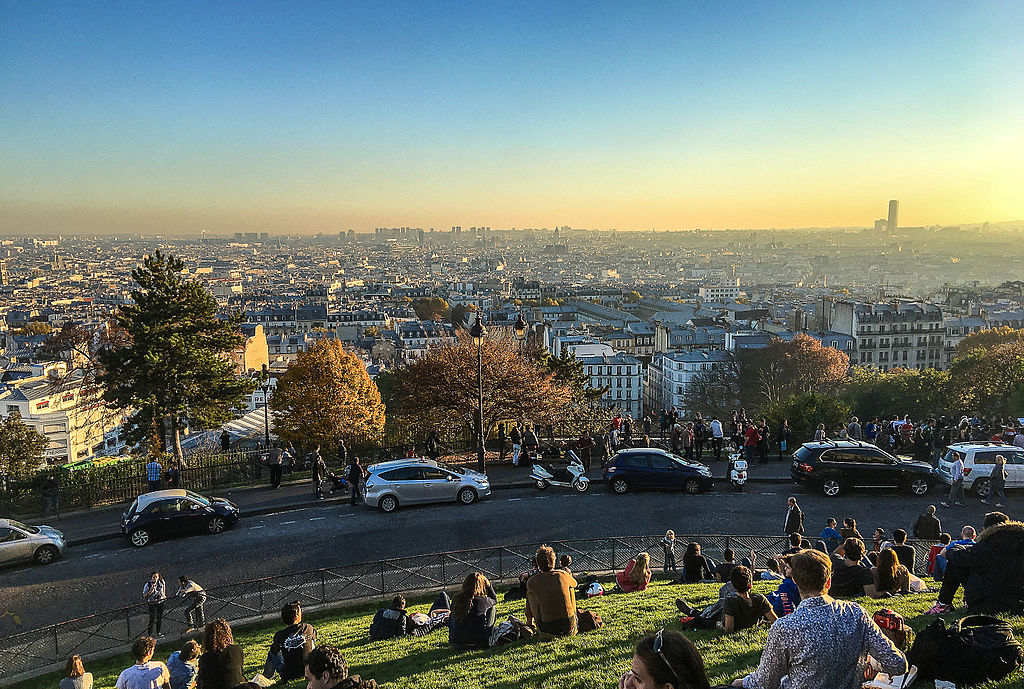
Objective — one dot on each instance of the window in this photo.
(637, 461)
(12, 408)
(402, 474)
(839, 456)
(53, 428)
(433, 474)
(986, 457)
(835, 344)
(661, 462)
(9, 535)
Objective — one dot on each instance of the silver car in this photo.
(418, 481)
(20, 542)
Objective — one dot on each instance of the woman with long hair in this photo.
(220, 666)
(849, 529)
(637, 574)
(997, 481)
(696, 567)
(890, 575)
(473, 613)
(75, 676)
(666, 659)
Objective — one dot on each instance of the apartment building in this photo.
(622, 375)
(900, 334)
(670, 373)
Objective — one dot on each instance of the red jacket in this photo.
(626, 583)
(753, 437)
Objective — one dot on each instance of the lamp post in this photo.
(479, 333)
(520, 329)
(265, 387)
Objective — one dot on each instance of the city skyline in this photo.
(223, 118)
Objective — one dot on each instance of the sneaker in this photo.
(685, 621)
(684, 607)
(939, 609)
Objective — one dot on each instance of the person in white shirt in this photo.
(146, 673)
(956, 490)
(716, 437)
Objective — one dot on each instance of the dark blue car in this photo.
(653, 468)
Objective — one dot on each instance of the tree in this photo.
(788, 367)
(985, 340)
(458, 313)
(326, 394)
(21, 447)
(631, 297)
(713, 393)
(986, 379)
(441, 388)
(805, 411)
(172, 369)
(900, 391)
(372, 331)
(569, 371)
(430, 308)
(36, 328)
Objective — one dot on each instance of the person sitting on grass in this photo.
(795, 544)
(786, 597)
(637, 574)
(146, 673)
(75, 676)
(291, 645)
(390, 622)
(326, 669)
(723, 570)
(551, 597)
(473, 612)
(849, 576)
(696, 567)
(825, 642)
(183, 665)
(906, 553)
(889, 576)
(936, 567)
(666, 660)
(220, 665)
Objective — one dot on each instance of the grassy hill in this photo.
(590, 661)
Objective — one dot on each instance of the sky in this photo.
(302, 117)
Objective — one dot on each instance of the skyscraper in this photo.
(894, 211)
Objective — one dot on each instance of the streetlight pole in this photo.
(478, 333)
(520, 329)
(265, 387)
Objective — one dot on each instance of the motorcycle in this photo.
(737, 470)
(573, 476)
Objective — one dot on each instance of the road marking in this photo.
(89, 557)
(291, 522)
(512, 499)
(316, 519)
(258, 527)
(350, 514)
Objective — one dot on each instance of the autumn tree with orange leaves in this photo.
(787, 367)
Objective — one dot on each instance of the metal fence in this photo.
(34, 652)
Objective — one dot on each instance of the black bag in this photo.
(977, 649)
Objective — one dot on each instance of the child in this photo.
(565, 562)
(668, 544)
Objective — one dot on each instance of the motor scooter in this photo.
(737, 470)
(574, 476)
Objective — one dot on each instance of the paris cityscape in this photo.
(429, 329)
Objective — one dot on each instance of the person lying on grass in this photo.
(741, 611)
(666, 660)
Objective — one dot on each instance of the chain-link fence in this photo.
(40, 650)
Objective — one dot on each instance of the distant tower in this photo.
(894, 211)
(4, 279)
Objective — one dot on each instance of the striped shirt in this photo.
(153, 471)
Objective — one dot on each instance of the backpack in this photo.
(588, 621)
(589, 590)
(895, 627)
(974, 650)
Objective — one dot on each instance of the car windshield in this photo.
(198, 498)
(24, 527)
(681, 460)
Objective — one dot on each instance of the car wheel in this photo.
(581, 486)
(541, 484)
(620, 486)
(982, 487)
(467, 496)
(389, 503)
(692, 486)
(918, 486)
(139, 537)
(831, 487)
(215, 525)
(45, 554)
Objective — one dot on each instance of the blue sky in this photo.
(313, 116)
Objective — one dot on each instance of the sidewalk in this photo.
(103, 523)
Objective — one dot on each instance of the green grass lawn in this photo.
(589, 661)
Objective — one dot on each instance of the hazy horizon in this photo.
(120, 118)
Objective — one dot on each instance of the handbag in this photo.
(782, 445)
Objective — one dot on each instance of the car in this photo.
(24, 542)
(164, 513)
(978, 458)
(654, 468)
(836, 466)
(419, 481)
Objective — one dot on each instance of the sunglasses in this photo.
(657, 649)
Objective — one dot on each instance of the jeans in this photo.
(156, 617)
(951, 580)
(998, 493)
(748, 452)
(154, 485)
(698, 445)
(356, 493)
(195, 614)
(275, 475)
(51, 504)
(670, 560)
(956, 492)
(516, 448)
(716, 446)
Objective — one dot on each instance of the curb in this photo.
(260, 511)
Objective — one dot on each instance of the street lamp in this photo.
(479, 332)
(265, 387)
(520, 329)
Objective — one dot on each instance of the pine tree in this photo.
(172, 371)
(21, 447)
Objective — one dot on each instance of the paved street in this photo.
(110, 573)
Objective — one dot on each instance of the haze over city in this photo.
(192, 117)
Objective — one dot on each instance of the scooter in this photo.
(574, 476)
(737, 470)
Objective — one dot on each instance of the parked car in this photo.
(978, 459)
(654, 468)
(23, 542)
(836, 466)
(419, 481)
(164, 513)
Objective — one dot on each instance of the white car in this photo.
(417, 481)
(23, 542)
(978, 459)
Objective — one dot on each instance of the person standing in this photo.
(794, 518)
(153, 471)
(750, 439)
(530, 443)
(154, 592)
(997, 481)
(355, 479)
(871, 431)
(342, 453)
(225, 441)
(686, 438)
(432, 445)
(928, 527)
(700, 434)
(195, 599)
(319, 467)
(173, 475)
(501, 441)
(664, 423)
(517, 444)
(51, 493)
(717, 437)
(854, 430)
(783, 437)
(585, 446)
(274, 461)
(762, 441)
(956, 490)
(819, 433)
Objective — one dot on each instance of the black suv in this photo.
(835, 466)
